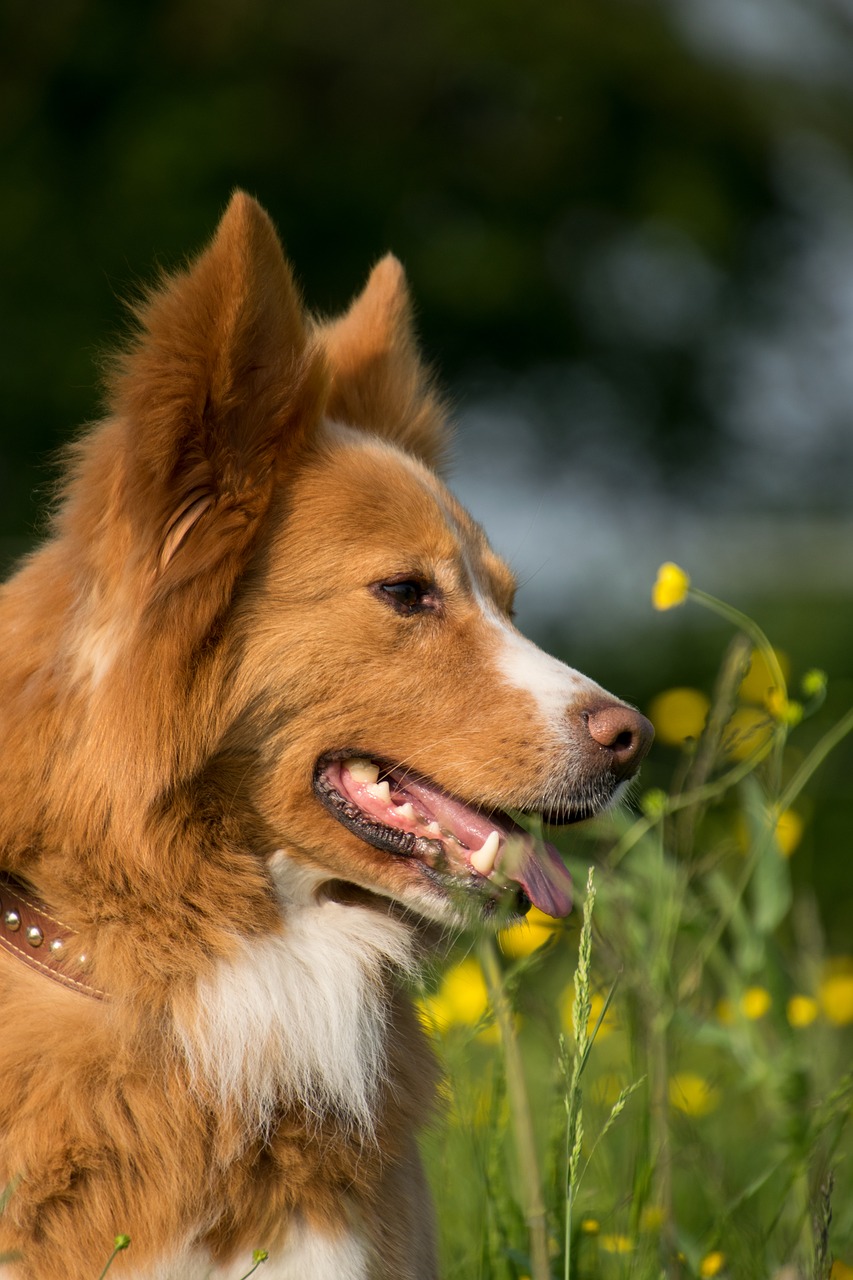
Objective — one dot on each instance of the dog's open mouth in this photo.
(408, 816)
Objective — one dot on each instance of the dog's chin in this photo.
(468, 863)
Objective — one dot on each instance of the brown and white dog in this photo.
(262, 709)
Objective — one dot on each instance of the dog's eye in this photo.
(409, 595)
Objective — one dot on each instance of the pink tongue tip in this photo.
(540, 871)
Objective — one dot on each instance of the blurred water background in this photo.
(628, 227)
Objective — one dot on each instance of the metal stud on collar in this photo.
(52, 947)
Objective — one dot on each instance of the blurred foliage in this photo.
(682, 1107)
(511, 155)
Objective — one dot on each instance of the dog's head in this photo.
(290, 633)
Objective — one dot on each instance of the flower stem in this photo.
(522, 1117)
(815, 759)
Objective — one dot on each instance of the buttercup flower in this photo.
(693, 1094)
(617, 1244)
(755, 1002)
(760, 686)
(679, 714)
(836, 991)
(801, 1011)
(651, 1219)
(461, 1000)
(670, 587)
(789, 831)
(747, 731)
(528, 935)
(712, 1264)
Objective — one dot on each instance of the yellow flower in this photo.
(617, 1244)
(801, 1011)
(755, 1002)
(591, 1226)
(760, 685)
(747, 730)
(529, 935)
(462, 998)
(836, 991)
(784, 709)
(840, 1271)
(679, 714)
(789, 831)
(651, 1219)
(712, 1264)
(670, 587)
(693, 1094)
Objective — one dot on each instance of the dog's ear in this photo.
(378, 379)
(218, 391)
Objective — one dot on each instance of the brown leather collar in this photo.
(44, 943)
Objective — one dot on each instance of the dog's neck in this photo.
(299, 1016)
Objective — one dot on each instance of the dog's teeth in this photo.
(362, 770)
(433, 830)
(483, 860)
(406, 811)
(380, 790)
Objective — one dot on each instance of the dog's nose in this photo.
(623, 733)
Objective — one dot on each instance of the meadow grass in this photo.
(662, 1084)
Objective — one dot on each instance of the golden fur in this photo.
(194, 635)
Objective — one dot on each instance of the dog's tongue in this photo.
(539, 869)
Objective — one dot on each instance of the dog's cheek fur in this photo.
(342, 670)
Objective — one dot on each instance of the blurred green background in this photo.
(628, 226)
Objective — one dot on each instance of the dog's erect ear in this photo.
(378, 379)
(218, 391)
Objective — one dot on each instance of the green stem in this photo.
(815, 759)
(698, 795)
(110, 1260)
(745, 623)
(761, 642)
(567, 1252)
(522, 1117)
(253, 1269)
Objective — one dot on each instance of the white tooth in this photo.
(362, 770)
(380, 791)
(406, 811)
(433, 830)
(483, 860)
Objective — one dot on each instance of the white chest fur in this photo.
(305, 1255)
(299, 1015)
